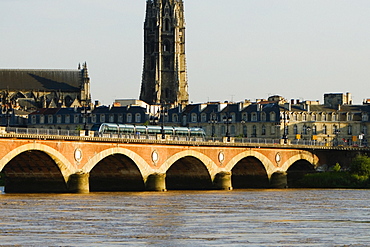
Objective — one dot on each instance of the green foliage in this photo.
(360, 166)
(336, 168)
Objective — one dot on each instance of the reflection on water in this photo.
(188, 218)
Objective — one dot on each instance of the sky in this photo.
(235, 50)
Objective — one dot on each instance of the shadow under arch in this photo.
(116, 172)
(249, 173)
(264, 161)
(297, 171)
(211, 167)
(35, 168)
(188, 173)
(142, 165)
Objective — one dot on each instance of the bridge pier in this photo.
(279, 180)
(156, 182)
(222, 181)
(78, 183)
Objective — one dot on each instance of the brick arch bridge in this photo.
(36, 163)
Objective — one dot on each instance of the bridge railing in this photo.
(62, 132)
(34, 131)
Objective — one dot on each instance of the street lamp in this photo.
(85, 112)
(8, 112)
(213, 122)
(227, 120)
(285, 132)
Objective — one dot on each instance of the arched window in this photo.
(254, 131)
(263, 132)
(129, 118)
(295, 129)
(50, 119)
(263, 116)
(254, 117)
(111, 118)
(245, 131)
(203, 117)
(175, 118)
(232, 129)
(324, 130)
(137, 117)
(272, 116)
(245, 117)
(194, 118)
(314, 130)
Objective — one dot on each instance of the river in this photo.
(289, 217)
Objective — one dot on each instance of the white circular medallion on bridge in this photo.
(221, 156)
(155, 156)
(78, 155)
(278, 157)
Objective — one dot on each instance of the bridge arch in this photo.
(141, 164)
(299, 165)
(268, 165)
(212, 168)
(304, 155)
(65, 167)
(189, 170)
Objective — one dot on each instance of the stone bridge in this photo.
(45, 163)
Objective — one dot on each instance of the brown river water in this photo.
(287, 217)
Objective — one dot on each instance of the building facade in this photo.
(164, 78)
(30, 89)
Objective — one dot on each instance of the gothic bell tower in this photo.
(164, 78)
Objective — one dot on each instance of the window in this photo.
(365, 117)
(295, 129)
(233, 117)
(175, 118)
(50, 119)
(93, 118)
(324, 130)
(68, 118)
(223, 129)
(334, 117)
(102, 118)
(263, 116)
(272, 116)
(364, 129)
(76, 118)
(295, 118)
(323, 117)
(232, 130)
(59, 119)
(194, 118)
(313, 117)
(245, 131)
(42, 119)
(137, 117)
(304, 117)
(254, 131)
(245, 117)
(129, 118)
(204, 117)
(263, 132)
(349, 129)
(314, 130)
(120, 118)
(349, 117)
(273, 130)
(304, 130)
(254, 117)
(111, 118)
(33, 119)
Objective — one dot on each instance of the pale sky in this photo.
(236, 49)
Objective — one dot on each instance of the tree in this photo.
(360, 165)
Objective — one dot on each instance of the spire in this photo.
(164, 76)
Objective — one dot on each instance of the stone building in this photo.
(336, 122)
(164, 78)
(30, 89)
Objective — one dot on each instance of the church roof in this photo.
(40, 79)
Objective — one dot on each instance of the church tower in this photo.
(164, 78)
